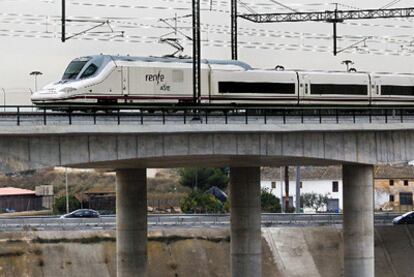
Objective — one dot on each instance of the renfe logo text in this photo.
(159, 78)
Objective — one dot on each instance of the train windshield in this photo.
(74, 68)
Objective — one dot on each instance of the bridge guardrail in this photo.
(141, 115)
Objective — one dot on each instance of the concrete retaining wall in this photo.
(287, 251)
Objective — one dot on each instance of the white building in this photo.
(331, 187)
(318, 180)
(390, 183)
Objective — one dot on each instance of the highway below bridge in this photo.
(51, 223)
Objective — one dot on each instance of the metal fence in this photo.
(142, 115)
(165, 220)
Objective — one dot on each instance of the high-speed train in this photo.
(105, 79)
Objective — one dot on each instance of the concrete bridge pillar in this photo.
(358, 224)
(245, 246)
(131, 222)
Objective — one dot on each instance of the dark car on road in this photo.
(407, 218)
(82, 213)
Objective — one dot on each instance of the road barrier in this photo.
(165, 220)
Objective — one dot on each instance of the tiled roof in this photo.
(394, 172)
(15, 191)
(307, 173)
(335, 172)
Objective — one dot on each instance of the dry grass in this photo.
(165, 185)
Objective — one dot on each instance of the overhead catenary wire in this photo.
(283, 5)
(211, 43)
(390, 4)
(279, 34)
(135, 22)
(142, 7)
(218, 29)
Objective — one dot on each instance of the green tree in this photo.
(204, 178)
(60, 204)
(270, 203)
(314, 200)
(199, 202)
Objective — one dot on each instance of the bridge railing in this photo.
(149, 115)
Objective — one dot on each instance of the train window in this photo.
(246, 87)
(339, 89)
(397, 90)
(73, 69)
(89, 71)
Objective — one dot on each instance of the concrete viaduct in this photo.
(130, 149)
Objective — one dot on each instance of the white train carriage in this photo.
(392, 89)
(255, 87)
(123, 79)
(334, 88)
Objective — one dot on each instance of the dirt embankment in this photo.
(291, 251)
(175, 253)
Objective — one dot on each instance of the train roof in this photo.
(177, 60)
(321, 71)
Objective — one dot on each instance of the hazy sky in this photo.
(30, 36)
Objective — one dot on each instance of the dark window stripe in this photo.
(245, 87)
(339, 89)
(397, 90)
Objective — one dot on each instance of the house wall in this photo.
(308, 186)
(20, 203)
(381, 194)
(102, 202)
(395, 190)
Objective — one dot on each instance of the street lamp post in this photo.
(4, 99)
(35, 74)
(67, 191)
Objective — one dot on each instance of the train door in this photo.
(375, 88)
(125, 80)
(304, 87)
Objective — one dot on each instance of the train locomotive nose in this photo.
(44, 94)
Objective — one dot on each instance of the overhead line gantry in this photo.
(334, 17)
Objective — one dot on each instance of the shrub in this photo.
(60, 204)
(203, 178)
(198, 202)
(270, 203)
(314, 200)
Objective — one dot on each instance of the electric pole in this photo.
(67, 191)
(287, 206)
(335, 21)
(234, 54)
(196, 53)
(297, 189)
(63, 35)
(282, 203)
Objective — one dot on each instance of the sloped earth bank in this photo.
(287, 251)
